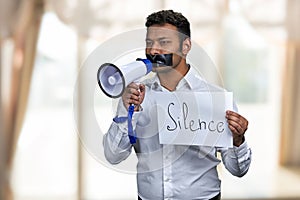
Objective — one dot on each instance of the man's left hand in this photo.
(238, 126)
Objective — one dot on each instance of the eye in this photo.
(149, 43)
(164, 42)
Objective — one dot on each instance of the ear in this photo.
(186, 46)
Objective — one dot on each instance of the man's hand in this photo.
(238, 126)
(133, 94)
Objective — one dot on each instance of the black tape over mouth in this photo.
(160, 60)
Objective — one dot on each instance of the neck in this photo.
(171, 78)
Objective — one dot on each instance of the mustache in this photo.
(161, 59)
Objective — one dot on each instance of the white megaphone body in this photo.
(113, 80)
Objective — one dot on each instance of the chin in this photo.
(161, 69)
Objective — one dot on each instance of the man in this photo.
(172, 171)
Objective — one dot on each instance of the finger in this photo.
(133, 91)
(126, 99)
(230, 115)
(135, 97)
(131, 98)
(142, 93)
(127, 96)
(235, 127)
(230, 112)
(136, 103)
(235, 120)
(239, 127)
(142, 88)
(133, 85)
(133, 101)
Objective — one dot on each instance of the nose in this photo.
(154, 49)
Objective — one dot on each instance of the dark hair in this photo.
(169, 16)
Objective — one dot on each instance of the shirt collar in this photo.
(191, 80)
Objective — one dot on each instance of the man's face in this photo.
(164, 39)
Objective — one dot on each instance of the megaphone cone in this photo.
(113, 79)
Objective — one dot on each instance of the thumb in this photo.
(142, 88)
(142, 92)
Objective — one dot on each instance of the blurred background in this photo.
(255, 45)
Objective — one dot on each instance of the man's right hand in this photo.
(133, 94)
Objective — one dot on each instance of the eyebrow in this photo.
(161, 38)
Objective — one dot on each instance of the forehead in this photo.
(162, 31)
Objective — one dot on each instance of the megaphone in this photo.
(113, 79)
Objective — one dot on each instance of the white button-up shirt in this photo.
(172, 171)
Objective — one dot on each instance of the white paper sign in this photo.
(194, 118)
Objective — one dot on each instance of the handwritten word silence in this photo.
(185, 121)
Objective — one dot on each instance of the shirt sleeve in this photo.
(116, 143)
(237, 159)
